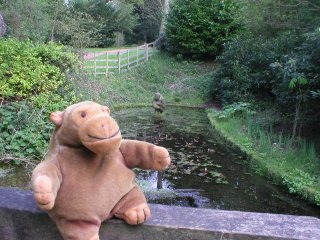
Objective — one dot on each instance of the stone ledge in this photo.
(20, 219)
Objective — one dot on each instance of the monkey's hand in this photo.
(43, 192)
(161, 158)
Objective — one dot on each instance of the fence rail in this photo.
(117, 61)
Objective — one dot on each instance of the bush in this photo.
(25, 132)
(284, 69)
(245, 70)
(296, 74)
(28, 70)
(33, 84)
(200, 28)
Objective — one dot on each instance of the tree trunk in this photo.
(296, 120)
(165, 11)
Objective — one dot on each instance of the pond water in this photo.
(204, 171)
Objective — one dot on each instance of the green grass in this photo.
(295, 166)
(180, 83)
(101, 61)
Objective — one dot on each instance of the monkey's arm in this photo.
(46, 180)
(144, 155)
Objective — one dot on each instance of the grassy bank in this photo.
(180, 83)
(273, 155)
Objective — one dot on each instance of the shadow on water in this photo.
(204, 171)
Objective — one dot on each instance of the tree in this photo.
(272, 17)
(165, 10)
(78, 30)
(3, 26)
(27, 19)
(110, 17)
(150, 19)
(58, 10)
(149, 13)
(125, 20)
(200, 28)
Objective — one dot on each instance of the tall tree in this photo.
(200, 28)
(271, 17)
(110, 16)
(27, 19)
(165, 12)
(3, 26)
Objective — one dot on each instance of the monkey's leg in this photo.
(132, 208)
(78, 230)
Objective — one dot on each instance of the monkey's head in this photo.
(87, 124)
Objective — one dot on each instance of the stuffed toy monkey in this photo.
(86, 177)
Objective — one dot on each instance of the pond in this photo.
(204, 172)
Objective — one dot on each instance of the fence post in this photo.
(107, 67)
(119, 62)
(128, 59)
(147, 51)
(137, 55)
(153, 47)
(95, 64)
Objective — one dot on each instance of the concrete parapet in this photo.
(20, 219)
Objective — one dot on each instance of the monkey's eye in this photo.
(83, 114)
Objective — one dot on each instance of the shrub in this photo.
(297, 73)
(25, 132)
(245, 70)
(200, 28)
(284, 69)
(33, 84)
(28, 70)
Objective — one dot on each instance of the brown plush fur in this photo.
(86, 177)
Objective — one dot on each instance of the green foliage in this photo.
(77, 29)
(273, 155)
(24, 131)
(27, 19)
(36, 74)
(28, 70)
(296, 75)
(233, 110)
(200, 28)
(149, 14)
(107, 18)
(245, 69)
(75, 22)
(284, 69)
(269, 18)
(297, 180)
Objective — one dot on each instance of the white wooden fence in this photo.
(117, 61)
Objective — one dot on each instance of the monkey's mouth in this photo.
(105, 138)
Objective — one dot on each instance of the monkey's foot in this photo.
(42, 188)
(136, 215)
(161, 158)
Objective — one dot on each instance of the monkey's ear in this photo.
(105, 109)
(56, 118)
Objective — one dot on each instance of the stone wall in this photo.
(21, 220)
